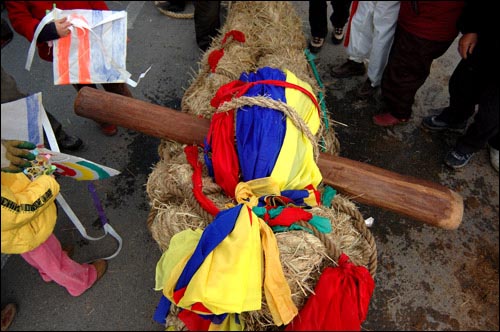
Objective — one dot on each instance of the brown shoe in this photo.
(8, 315)
(348, 69)
(367, 90)
(101, 266)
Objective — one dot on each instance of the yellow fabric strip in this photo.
(295, 167)
(276, 289)
(230, 279)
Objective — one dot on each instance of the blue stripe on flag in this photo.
(33, 110)
(119, 29)
(97, 58)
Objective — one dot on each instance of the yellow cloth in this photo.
(28, 211)
(276, 289)
(181, 245)
(230, 278)
(248, 193)
(295, 167)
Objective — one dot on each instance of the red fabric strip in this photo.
(354, 7)
(191, 152)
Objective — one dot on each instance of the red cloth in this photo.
(26, 15)
(289, 215)
(224, 156)
(341, 302)
(191, 152)
(193, 321)
(216, 55)
(435, 20)
(354, 7)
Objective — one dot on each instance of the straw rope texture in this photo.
(273, 37)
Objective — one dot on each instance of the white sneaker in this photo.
(494, 158)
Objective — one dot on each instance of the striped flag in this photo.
(22, 119)
(95, 51)
(76, 167)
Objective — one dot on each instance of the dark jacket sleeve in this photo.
(49, 32)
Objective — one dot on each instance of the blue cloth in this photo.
(260, 131)
(162, 310)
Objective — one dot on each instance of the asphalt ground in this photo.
(427, 278)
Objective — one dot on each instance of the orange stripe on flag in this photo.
(83, 56)
(63, 59)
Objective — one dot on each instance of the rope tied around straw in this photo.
(289, 111)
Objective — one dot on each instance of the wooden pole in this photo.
(418, 199)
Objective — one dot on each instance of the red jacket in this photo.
(26, 15)
(432, 20)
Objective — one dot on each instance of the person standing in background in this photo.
(425, 30)
(473, 82)
(319, 23)
(369, 38)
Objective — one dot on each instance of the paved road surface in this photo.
(427, 278)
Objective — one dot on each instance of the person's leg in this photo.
(485, 125)
(339, 19)
(464, 89)
(408, 67)
(361, 34)
(206, 22)
(53, 264)
(385, 17)
(340, 13)
(318, 18)
(360, 42)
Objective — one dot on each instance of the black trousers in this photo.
(318, 16)
(407, 69)
(468, 87)
(206, 22)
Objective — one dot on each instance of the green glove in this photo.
(19, 155)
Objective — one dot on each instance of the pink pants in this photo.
(53, 264)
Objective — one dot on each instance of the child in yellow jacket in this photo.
(28, 219)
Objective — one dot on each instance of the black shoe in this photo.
(174, 6)
(456, 159)
(348, 69)
(337, 35)
(315, 44)
(433, 123)
(68, 142)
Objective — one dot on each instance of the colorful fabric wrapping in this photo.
(267, 142)
(224, 272)
(220, 272)
(237, 254)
